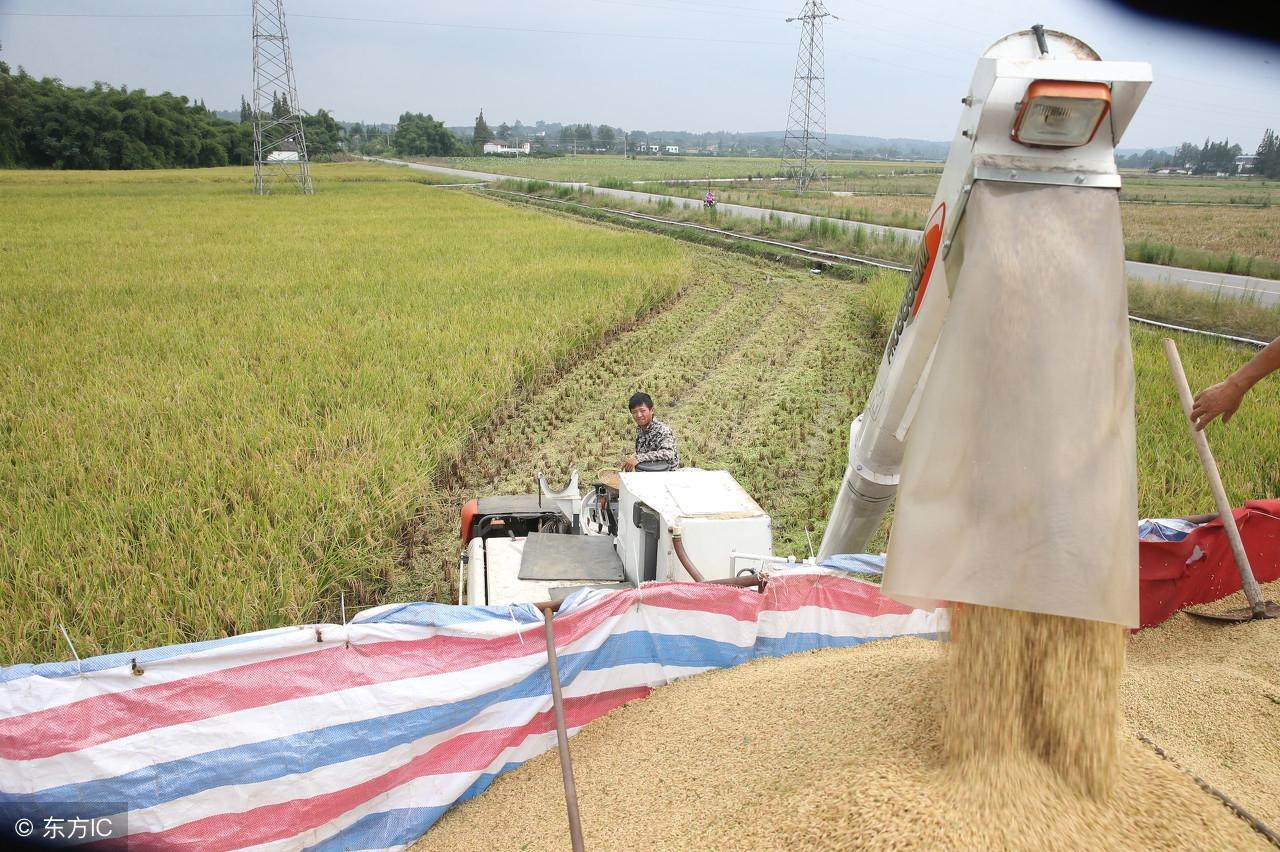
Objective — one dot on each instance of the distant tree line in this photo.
(45, 124)
(418, 135)
(1208, 159)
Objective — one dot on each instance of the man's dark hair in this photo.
(638, 399)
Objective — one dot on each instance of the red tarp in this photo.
(1200, 568)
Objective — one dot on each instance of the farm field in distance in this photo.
(866, 177)
(593, 168)
(193, 444)
(1209, 223)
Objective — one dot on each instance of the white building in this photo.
(499, 148)
(672, 149)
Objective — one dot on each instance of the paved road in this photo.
(802, 219)
(1264, 291)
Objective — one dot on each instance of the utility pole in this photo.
(279, 145)
(804, 145)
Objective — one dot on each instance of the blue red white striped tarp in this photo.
(361, 736)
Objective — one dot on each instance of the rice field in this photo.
(861, 177)
(1215, 238)
(1218, 230)
(218, 411)
(1208, 223)
(1212, 229)
(598, 168)
(1200, 189)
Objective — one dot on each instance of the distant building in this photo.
(1246, 163)
(672, 149)
(499, 148)
(283, 157)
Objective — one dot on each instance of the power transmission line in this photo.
(279, 143)
(804, 145)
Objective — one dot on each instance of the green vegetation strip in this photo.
(823, 234)
(217, 410)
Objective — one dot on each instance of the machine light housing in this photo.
(1061, 113)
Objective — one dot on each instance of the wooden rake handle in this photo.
(1247, 581)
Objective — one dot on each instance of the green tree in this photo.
(1268, 164)
(481, 134)
(246, 112)
(323, 135)
(421, 135)
(12, 90)
(1187, 155)
(605, 136)
(280, 106)
(44, 124)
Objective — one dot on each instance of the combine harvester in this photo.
(360, 735)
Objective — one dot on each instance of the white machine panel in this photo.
(713, 513)
(493, 574)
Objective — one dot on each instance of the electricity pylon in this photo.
(279, 145)
(804, 145)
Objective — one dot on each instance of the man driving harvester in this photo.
(655, 442)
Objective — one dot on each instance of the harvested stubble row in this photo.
(843, 749)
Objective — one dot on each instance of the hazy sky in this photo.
(892, 68)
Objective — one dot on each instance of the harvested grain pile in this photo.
(842, 749)
(1209, 694)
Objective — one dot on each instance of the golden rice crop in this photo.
(218, 410)
(1242, 230)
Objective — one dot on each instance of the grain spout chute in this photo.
(1010, 355)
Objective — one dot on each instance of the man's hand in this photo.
(630, 463)
(1223, 398)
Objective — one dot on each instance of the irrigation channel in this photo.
(1264, 291)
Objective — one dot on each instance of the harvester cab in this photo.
(686, 524)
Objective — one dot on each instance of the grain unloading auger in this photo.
(1004, 401)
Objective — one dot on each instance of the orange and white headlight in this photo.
(1061, 113)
